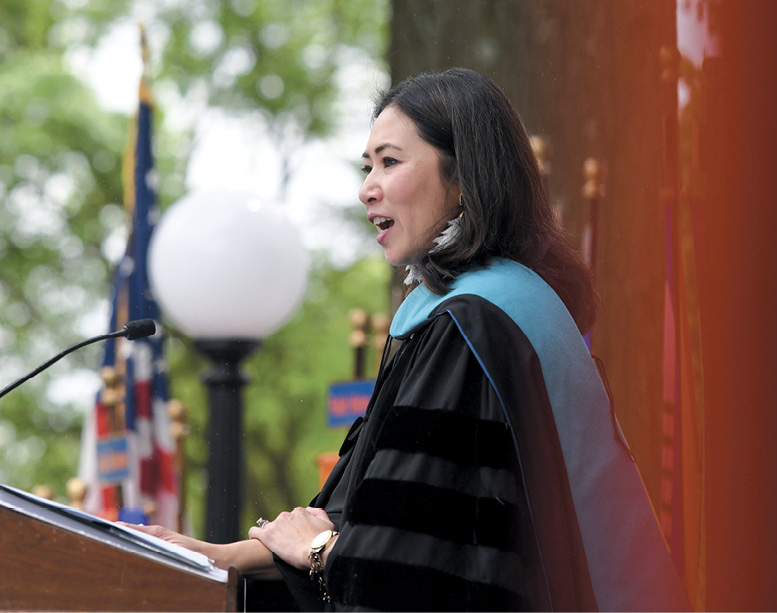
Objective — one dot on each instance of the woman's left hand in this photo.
(289, 536)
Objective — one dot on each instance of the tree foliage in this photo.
(60, 189)
(61, 215)
(279, 56)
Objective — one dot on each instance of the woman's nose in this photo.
(370, 191)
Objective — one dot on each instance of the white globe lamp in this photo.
(228, 270)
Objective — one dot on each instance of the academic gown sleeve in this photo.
(437, 514)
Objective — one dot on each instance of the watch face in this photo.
(321, 540)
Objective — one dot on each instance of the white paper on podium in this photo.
(106, 531)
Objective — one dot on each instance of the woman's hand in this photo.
(291, 534)
(172, 537)
(249, 557)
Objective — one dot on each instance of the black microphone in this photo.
(139, 328)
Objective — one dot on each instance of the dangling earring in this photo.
(452, 231)
(413, 274)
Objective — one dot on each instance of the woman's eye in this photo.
(389, 162)
(366, 169)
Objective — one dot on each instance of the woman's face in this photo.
(404, 192)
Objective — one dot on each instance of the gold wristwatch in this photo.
(316, 562)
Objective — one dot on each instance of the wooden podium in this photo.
(51, 562)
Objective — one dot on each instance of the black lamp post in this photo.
(224, 498)
(228, 270)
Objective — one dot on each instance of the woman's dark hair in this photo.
(484, 147)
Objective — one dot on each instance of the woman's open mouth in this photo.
(383, 224)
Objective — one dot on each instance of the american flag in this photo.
(128, 452)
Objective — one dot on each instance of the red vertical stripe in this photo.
(143, 399)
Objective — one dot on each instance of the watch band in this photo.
(317, 547)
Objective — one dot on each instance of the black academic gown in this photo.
(454, 492)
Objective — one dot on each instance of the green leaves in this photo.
(61, 214)
(58, 172)
(278, 56)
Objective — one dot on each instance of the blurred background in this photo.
(654, 123)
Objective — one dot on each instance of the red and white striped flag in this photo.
(128, 452)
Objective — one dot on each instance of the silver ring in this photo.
(261, 522)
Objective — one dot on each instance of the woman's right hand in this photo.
(171, 536)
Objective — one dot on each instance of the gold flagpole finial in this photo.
(144, 96)
(143, 45)
(145, 90)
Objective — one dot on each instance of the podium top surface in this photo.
(58, 558)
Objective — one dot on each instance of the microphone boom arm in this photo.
(133, 330)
